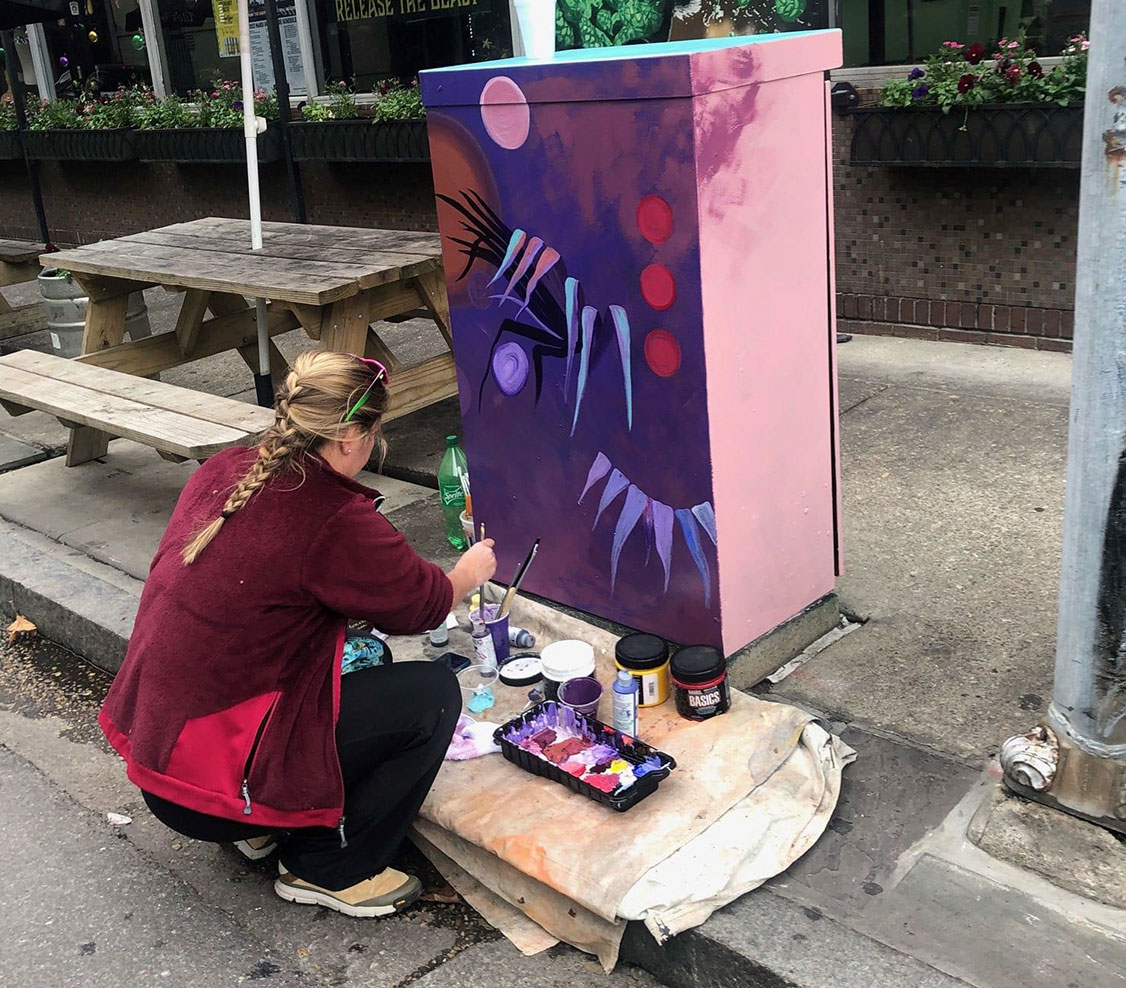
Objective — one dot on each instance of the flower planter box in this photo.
(361, 140)
(10, 146)
(1021, 135)
(80, 145)
(205, 145)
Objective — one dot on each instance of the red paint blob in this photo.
(658, 287)
(662, 353)
(654, 219)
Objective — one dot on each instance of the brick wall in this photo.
(980, 255)
(974, 255)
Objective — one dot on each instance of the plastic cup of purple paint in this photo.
(498, 629)
(582, 695)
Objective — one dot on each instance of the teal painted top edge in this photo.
(632, 52)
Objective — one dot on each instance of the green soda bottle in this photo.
(451, 492)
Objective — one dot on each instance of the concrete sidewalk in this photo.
(953, 484)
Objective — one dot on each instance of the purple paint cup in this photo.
(581, 695)
(498, 628)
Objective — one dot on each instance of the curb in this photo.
(74, 601)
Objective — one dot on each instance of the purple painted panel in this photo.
(569, 231)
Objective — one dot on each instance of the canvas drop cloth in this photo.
(753, 790)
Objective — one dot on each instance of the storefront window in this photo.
(99, 44)
(893, 32)
(365, 42)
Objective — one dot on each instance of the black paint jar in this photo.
(699, 678)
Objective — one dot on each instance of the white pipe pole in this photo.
(41, 61)
(252, 126)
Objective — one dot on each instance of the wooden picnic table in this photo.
(332, 281)
(19, 262)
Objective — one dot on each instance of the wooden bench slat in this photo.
(355, 239)
(183, 435)
(209, 408)
(19, 251)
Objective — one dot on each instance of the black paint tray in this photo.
(629, 748)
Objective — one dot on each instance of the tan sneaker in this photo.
(388, 892)
(257, 848)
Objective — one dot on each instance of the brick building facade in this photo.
(973, 255)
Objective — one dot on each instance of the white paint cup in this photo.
(537, 27)
(467, 528)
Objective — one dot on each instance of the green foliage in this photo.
(600, 23)
(969, 76)
(171, 113)
(7, 115)
(398, 102)
(222, 106)
(342, 101)
(60, 114)
(317, 113)
(120, 110)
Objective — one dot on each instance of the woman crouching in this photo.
(230, 709)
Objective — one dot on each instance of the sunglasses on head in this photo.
(380, 375)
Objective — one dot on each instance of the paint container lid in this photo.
(697, 664)
(523, 669)
(641, 651)
(567, 659)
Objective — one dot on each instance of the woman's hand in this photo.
(476, 567)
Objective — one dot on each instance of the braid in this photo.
(311, 408)
(279, 449)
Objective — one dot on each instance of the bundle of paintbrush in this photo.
(514, 586)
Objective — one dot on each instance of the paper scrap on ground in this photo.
(118, 819)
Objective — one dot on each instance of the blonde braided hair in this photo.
(310, 411)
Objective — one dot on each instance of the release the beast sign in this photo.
(355, 10)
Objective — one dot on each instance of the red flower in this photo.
(1036, 70)
(975, 53)
(1013, 74)
(967, 82)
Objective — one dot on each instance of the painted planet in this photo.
(789, 10)
(510, 368)
(662, 353)
(505, 113)
(654, 219)
(658, 287)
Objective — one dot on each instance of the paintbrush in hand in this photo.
(510, 593)
(481, 592)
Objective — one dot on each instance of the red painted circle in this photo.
(662, 353)
(658, 287)
(654, 219)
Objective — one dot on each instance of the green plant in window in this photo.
(170, 113)
(342, 101)
(222, 106)
(7, 116)
(316, 112)
(119, 110)
(967, 76)
(398, 102)
(59, 114)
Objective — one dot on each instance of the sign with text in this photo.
(226, 31)
(358, 10)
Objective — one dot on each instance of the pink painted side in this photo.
(832, 289)
(760, 157)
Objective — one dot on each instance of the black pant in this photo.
(395, 724)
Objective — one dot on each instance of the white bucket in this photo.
(537, 27)
(565, 660)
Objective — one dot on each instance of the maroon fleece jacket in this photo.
(228, 697)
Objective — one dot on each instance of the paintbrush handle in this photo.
(509, 596)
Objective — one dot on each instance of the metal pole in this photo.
(281, 86)
(9, 44)
(1076, 759)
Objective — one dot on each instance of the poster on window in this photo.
(226, 30)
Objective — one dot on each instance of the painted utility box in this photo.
(638, 250)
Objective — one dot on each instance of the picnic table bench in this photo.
(333, 282)
(19, 262)
(180, 424)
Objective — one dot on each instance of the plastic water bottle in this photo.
(451, 492)
(625, 704)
